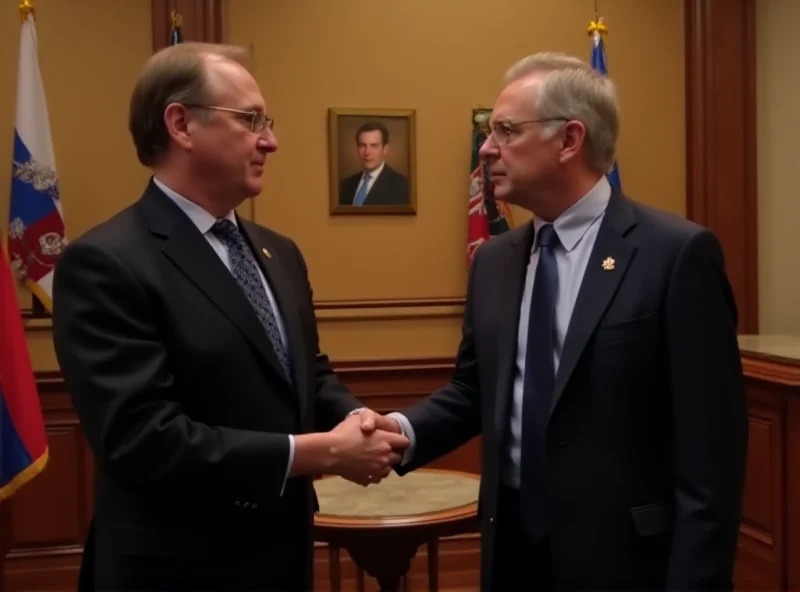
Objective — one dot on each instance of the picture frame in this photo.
(372, 161)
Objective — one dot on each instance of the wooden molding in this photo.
(389, 309)
(771, 371)
(722, 191)
(389, 303)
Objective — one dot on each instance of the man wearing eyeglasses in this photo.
(377, 184)
(599, 363)
(188, 343)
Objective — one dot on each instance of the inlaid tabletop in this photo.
(420, 492)
(776, 348)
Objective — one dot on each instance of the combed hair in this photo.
(572, 89)
(175, 74)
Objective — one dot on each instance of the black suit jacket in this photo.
(647, 438)
(183, 401)
(389, 189)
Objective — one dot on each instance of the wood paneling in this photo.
(760, 560)
(792, 496)
(201, 20)
(721, 160)
(769, 545)
(49, 516)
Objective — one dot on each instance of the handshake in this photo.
(365, 446)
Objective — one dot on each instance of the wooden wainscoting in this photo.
(49, 516)
(769, 545)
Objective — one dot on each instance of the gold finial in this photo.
(25, 8)
(177, 19)
(597, 25)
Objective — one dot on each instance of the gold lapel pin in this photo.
(266, 253)
(608, 264)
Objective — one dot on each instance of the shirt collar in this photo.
(200, 217)
(374, 174)
(578, 218)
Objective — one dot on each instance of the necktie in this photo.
(245, 270)
(361, 195)
(538, 386)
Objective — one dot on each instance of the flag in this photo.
(23, 443)
(36, 222)
(596, 31)
(485, 216)
(175, 33)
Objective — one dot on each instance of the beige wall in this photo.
(442, 58)
(778, 98)
(89, 54)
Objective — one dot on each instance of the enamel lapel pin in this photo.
(608, 264)
(266, 254)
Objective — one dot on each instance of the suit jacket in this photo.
(389, 189)
(184, 403)
(647, 436)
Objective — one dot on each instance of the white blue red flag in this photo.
(37, 235)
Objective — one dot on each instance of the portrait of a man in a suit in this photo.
(377, 183)
(372, 161)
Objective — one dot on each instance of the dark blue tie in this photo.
(245, 270)
(537, 396)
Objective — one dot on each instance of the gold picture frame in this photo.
(380, 143)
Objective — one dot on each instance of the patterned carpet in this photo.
(419, 492)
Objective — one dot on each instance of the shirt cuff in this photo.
(408, 432)
(289, 464)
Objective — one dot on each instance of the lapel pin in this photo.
(608, 264)
(266, 253)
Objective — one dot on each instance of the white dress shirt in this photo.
(577, 230)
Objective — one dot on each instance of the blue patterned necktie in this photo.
(538, 386)
(362, 191)
(245, 270)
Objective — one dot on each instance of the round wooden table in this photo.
(382, 526)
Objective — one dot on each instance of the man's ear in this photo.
(573, 136)
(176, 120)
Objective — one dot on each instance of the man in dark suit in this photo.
(377, 184)
(188, 343)
(599, 362)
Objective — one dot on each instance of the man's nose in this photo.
(488, 148)
(268, 142)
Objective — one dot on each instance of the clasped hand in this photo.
(368, 446)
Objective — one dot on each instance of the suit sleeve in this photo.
(709, 412)
(451, 416)
(334, 400)
(109, 345)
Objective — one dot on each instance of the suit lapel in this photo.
(598, 286)
(275, 272)
(189, 251)
(511, 282)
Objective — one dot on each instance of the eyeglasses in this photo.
(504, 130)
(258, 119)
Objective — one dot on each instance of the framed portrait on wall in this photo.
(372, 161)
